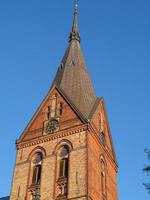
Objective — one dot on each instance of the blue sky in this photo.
(116, 43)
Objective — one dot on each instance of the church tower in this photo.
(66, 151)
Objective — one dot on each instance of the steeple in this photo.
(66, 150)
(72, 77)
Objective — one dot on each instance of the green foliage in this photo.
(147, 170)
(147, 186)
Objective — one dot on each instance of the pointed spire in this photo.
(72, 78)
(74, 35)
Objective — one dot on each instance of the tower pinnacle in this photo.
(74, 35)
(76, 6)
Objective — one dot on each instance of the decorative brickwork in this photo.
(66, 151)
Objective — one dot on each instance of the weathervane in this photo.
(76, 6)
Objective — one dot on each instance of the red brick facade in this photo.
(66, 151)
(86, 152)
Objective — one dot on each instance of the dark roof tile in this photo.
(73, 78)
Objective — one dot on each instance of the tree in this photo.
(147, 170)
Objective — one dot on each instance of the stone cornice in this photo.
(59, 134)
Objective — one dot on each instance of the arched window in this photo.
(18, 192)
(35, 158)
(103, 178)
(48, 112)
(103, 183)
(63, 163)
(37, 165)
(103, 138)
(60, 108)
(62, 176)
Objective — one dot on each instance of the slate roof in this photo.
(5, 198)
(72, 76)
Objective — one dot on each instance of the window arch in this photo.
(62, 143)
(35, 171)
(38, 149)
(62, 175)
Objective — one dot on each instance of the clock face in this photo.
(51, 126)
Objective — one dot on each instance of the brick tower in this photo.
(66, 151)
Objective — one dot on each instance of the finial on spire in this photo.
(76, 6)
(74, 35)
